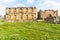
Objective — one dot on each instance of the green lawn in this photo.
(29, 31)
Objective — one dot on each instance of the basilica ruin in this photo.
(48, 15)
(29, 14)
(21, 14)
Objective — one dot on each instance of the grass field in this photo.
(29, 31)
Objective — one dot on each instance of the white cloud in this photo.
(52, 3)
(19, 5)
(7, 1)
(49, 4)
(30, 1)
(2, 10)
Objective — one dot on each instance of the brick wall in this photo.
(21, 14)
(48, 15)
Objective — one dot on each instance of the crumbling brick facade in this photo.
(21, 14)
(48, 15)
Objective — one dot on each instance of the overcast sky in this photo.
(39, 4)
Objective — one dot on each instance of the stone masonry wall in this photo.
(21, 14)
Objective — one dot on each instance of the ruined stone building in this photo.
(21, 14)
(48, 15)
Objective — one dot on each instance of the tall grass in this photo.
(29, 31)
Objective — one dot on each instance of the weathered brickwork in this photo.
(48, 15)
(20, 14)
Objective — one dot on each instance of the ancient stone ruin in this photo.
(48, 15)
(21, 14)
(29, 14)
